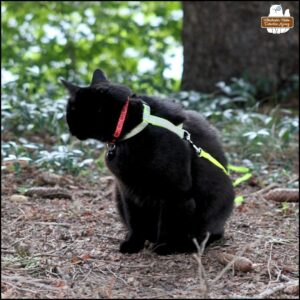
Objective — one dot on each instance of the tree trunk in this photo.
(224, 39)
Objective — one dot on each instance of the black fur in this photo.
(164, 192)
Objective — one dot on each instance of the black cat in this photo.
(165, 192)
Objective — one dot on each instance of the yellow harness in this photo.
(182, 133)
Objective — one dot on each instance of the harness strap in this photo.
(182, 133)
(240, 169)
(135, 130)
(212, 160)
(161, 122)
(156, 121)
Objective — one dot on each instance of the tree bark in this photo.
(224, 39)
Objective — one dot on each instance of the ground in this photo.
(68, 248)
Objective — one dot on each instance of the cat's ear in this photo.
(70, 86)
(98, 77)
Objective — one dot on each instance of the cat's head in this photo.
(93, 111)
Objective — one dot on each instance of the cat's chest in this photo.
(132, 157)
(123, 161)
(155, 160)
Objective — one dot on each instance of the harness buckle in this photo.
(111, 149)
(198, 149)
(187, 137)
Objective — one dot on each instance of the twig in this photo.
(282, 276)
(86, 276)
(108, 237)
(19, 288)
(103, 261)
(268, 292)
(87, 193)
(110, 287)
(283, 195)
(28, 281)
(293, 179)
(47, 192)
(269, 187)
(53, 223)
(34, 255)
(18, 241)
(17, 219)
(66, 248)
(274, 239)
(262, 190)
(8, 251)
(269, 262)
(202, 275)
(46, 254)
(116, 276)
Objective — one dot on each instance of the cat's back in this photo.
(203, 134)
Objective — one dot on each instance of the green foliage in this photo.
(285, 207)
(247, 132)
(60, 158)
(37, 132)
(45, 40)
(23, 259)
(29, 113)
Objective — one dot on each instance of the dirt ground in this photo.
(68, 248)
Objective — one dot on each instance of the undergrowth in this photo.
(262, 137)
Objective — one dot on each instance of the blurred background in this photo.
(211, 56)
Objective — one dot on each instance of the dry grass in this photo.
(68, 248)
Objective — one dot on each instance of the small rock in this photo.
(130, 280)
(18, 198)
(292, 290)
(49, 178)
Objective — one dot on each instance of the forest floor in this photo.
(57, 247)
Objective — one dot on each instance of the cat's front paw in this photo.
(131, 246)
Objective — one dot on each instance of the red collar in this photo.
(121, 121)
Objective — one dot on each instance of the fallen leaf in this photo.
(60, 284)
(242, 208)
(289, 269)
(88, 232)
(87, 213)
(75, 260)
(85, 257)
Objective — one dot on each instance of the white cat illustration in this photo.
(277, 11)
